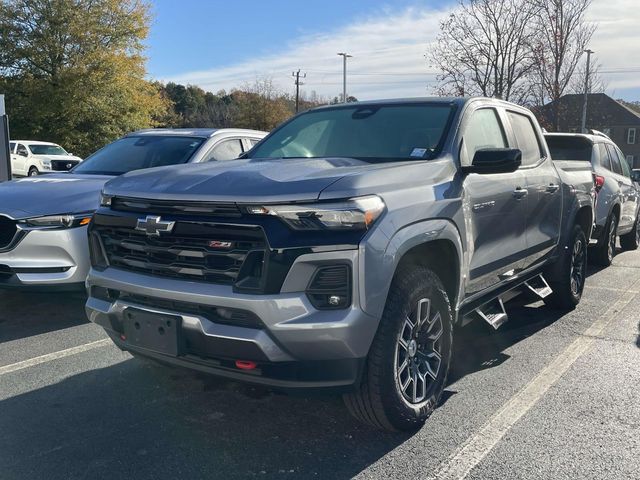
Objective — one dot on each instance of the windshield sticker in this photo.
(418, 152)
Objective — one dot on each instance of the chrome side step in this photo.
(539, 286)
(493, 313)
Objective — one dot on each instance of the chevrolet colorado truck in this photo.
(343, 249)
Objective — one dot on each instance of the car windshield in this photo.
(138, 152)
(47, 149)
(569, 148)
(368, 132)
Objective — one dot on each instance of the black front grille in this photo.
(63, 165)
(8, 231)
(209, 253)
(169, 207)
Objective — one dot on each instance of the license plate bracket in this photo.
(158, 332)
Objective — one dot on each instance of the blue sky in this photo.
(225, 44)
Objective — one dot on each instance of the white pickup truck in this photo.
(31, 158)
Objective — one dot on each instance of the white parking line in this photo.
(53, 356)
(476, 447)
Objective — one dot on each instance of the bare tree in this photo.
(597, 84)
(562, 36)
(485, 47)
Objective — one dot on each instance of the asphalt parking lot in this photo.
(548, 396)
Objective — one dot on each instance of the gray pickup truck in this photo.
(343, 249)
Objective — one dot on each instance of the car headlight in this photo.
(105, 200)
(353, 214)
(46, 164)
(59, 221)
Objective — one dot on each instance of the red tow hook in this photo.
(246, 364)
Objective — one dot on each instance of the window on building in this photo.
(631, 136)
(607, 132)
(629, 159)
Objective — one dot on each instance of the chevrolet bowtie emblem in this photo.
(154, 226)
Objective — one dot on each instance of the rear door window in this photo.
(616, 165)
(527, 138)
(605, 159)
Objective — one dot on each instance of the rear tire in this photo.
(409, 360)
(34, 172)
(631, 240)
(567, 289)
(605, 250)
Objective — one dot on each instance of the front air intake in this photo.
(330, 287)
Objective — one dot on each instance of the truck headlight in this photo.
(353, 214)
(46, 164)
(59, 221)
(105, 200)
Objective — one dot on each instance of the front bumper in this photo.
(47, 258)
(294, 346)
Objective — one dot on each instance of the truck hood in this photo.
(242, 181)
(50, 195)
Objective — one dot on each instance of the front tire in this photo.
(631, 240)
(33, 172)
(409, 359)
(569, 285)
(605, 250)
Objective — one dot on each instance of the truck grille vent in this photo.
(168, 207)
(63, 165)
(215, 255)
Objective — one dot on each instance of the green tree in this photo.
(73, 71)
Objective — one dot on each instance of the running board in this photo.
(539, 286)
(493, 313)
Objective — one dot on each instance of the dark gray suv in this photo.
(617, 202)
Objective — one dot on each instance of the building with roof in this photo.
(616, 120)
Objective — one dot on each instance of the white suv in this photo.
(31, 158)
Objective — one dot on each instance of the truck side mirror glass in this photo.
(495, 160)
(635, 176)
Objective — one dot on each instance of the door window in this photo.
(253, 141)
(527, 138)
(22, 150)
(616, 164)
(484, 130)
(605, 160)
(225, 150)
(12, 147)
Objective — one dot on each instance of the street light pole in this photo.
(344, 75)
(586, 91)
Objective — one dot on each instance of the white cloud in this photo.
(389, 42)
(389, 61)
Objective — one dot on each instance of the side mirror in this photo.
(635, 176)
(495, 160)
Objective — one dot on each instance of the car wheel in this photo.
(409, 360)
(606, 248)
(33, 172)
(567, 289)
(631, 240)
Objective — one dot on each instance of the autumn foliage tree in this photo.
(73, 71)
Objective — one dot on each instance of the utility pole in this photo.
(344, 75)
(296, 75)
(586, 91)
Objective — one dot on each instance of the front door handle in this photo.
(520, 192)
(552, 188)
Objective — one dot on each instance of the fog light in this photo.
(334, 300)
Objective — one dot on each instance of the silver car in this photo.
(43, 220)
(617, 201)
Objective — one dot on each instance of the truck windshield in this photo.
(569, 148)
(47, 149)
(138, 152)
(367, 132)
